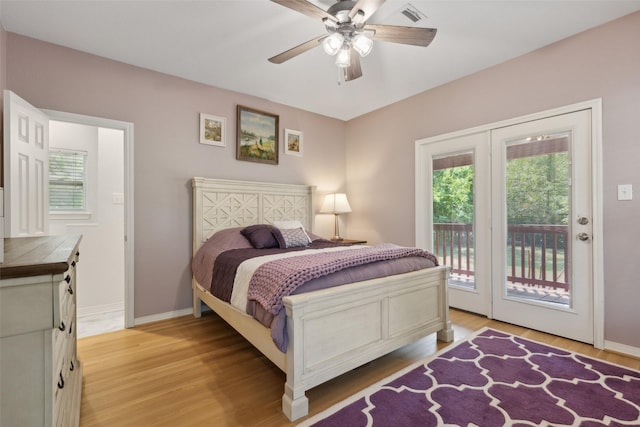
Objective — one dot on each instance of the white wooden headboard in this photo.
(222, 203)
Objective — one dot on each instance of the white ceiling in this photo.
(226, 43)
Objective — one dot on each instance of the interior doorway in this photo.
(112, 134)
(94, 156)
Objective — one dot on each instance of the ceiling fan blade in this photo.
(368, 7)
(353, 71)
(405, 35)
(295, 51)
(305, 8)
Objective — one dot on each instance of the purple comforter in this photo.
(226, 264)
(276, 279)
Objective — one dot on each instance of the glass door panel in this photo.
(538, 199)
(453, 216)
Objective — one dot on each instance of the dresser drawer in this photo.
(61, 344)
(60, 393)
(65, 295)
(65, 393)
(26, 305)
(67, 407)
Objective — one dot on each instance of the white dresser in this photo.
(40, 375)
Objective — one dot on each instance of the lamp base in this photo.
(336, 237)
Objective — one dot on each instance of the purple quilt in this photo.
(227, 263)
(276, 279)
(217, 268)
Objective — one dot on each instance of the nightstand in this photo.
(350, 241)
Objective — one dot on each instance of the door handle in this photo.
(583, 236)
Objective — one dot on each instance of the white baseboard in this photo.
(622, 348)
(162, 316)
(99, 309)
(168, 315)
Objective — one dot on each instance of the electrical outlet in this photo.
(625, 192)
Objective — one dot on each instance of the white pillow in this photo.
(288, 225)
(294, 237)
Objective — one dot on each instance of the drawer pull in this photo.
(78, 253)
(70, 290)
(61, 382)
(71, 367)
(67, 279)
(62, 327)
(71, 328)
(73, 263)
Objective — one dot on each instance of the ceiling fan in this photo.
(349, 37)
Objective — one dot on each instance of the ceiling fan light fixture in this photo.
(362, 44)
(344, 57)
(333, 43)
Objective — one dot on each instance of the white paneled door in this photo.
(26, 168)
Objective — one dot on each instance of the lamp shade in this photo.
(336, 204)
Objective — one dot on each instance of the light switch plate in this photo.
(117, 198)
(625, 192)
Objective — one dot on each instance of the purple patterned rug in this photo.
(496, 379)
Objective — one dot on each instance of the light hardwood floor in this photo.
(188, 372)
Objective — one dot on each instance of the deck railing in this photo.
(536, 254)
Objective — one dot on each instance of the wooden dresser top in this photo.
(34, 256)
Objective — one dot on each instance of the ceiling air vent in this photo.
(407, 16)
(412, 13)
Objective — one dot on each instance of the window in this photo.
(67, 181)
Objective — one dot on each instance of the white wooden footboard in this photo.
(335, 330)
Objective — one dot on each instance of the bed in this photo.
(374, 316)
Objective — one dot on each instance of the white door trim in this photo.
(423, 206)
(127, 128)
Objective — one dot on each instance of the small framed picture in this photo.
(213, 130)
(293, 142)
(257, 133)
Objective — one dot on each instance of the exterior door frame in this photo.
(423, 219)
(127, 128)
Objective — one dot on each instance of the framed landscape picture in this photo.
(213, 130)
(257, 135)
(293, 142)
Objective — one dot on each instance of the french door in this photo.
(541, 205)
(509, 208)
(460, 234)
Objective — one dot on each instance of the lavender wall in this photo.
(165, 112)
(601, 63)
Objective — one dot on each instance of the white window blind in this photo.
(67, 180)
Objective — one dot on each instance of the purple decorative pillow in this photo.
(261, 236)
